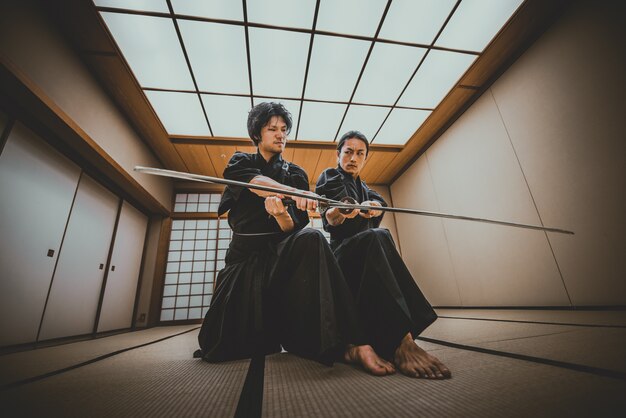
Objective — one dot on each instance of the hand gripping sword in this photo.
(324, 202)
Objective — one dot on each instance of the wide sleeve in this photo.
(300, 180)
(241, 167)
(330, 184)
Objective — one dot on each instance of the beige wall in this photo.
(33, 45)
(148, 272)
(389, 220)
(545, 144)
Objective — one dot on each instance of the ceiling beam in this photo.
(217, 140)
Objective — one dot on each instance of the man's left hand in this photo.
(372, 213)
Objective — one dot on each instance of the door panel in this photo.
(77, 282)
(37, 185)
(121, 285)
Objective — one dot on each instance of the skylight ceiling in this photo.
(377, 66)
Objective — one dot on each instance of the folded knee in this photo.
(309, 235)
(377, 233)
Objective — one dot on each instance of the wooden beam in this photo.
(298, 144)
(26, 97)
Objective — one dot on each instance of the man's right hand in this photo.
(303, 203)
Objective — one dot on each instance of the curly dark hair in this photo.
(350, 135)
(261, 114)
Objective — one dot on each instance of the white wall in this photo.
(32, 44)
(545, 144)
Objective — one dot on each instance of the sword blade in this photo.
(218, 180)
(450, 216)
(337, 204)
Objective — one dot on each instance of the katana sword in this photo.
(325, 202)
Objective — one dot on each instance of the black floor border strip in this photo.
(85, 363)
(556, 363)
(251, 398)
(532, 322)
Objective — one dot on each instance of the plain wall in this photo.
(148, 271)
(545, 144)
(34, 45)
(389, 220)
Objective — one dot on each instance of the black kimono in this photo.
(389, 302)
(276, 288)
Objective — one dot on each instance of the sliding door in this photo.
(37, 186)
(77, 283)
(121, 284)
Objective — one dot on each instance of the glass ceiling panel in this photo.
(366, 119)
(215, 9)
(278, 60)
(400, 126)
(227, 114)
(334, 68)
(218, 56)
(143, 5)
(387, 72)
(151, 48)
(438, 74)
(293, 106)
(289, 13)
(319, 121)
(476, 22)
(180, 113)
(351, 17)
(416, 21)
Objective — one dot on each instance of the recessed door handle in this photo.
(50, 252)
(112, 268)
(101, 266)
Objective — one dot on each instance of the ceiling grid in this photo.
(317, 45)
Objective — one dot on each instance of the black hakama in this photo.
(277, 288)
(389, 302)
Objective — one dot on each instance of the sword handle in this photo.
(351, 201)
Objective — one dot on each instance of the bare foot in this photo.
(368, 359)
(412, 361)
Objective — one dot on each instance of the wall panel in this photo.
(422, 239)
(545, 144)
(475, 173)
(563, 104)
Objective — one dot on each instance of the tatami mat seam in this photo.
(556, 363)
(532, 322)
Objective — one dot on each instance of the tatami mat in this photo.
(157, 377)
(594, 347)
(27, 364)
(482, 386)
(158, 380)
